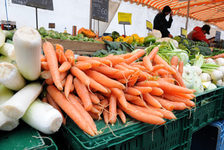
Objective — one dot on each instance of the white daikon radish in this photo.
(27, 42)
(7, 123)
(43, 117)
(5, 94)
(17, 105)
(10, 76)
(8, 50)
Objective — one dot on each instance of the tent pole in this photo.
(90, 15)
(188, 10)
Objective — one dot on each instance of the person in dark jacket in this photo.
(198, 33)
(160, 22)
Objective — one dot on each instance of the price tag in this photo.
(124, 18)
(183, 32)
(148, 25)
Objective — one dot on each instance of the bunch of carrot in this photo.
(88, 88)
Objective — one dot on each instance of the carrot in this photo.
(184, 96)
(112, 109)
(174, 61)
(44, 65)
(121, 115)
(132, 111)
(97, 86)
(104, 80)
(72, 99)
(157, 67)
(83, 65)
(127, 55)
(52, 63)
(103, 60)
(49, 81)
(106, 70)
(218, 56)
(150, 111)
(123, 81)
(70, 110)
(142, 68)
(153, 53)
(95, 111)
(151, 100)
(63, 83)
(80, 75)
(83, 93)
(144, 76)
(143, 89)
(178, 78)
(100, 96)
(94, 63)
(42, 58)
(170, 88)
(130, 67)
(60, 53)
(156, 91)
(147, 63)
(148, 83)
(122, 67)
(165, 103)
(139, 102)
(94, 98)
(162, 72)
(133, 79)
(159, 60)
(176, 98)
(69, 54)
(181, 67)
(132, 91)
(45, 100)
(68, 84)
(135, 56)
(95, 116)
(169, 80)
(178, 105)
(104, 103)
(166, 113)
(130, 97)
(55, 105)
(120, 96)
(83, 58)
(106, 116)
(65, 66)
(72, 88)
(114, 59)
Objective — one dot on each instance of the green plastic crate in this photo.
(209, 108)
(25, 138)
(132, 136)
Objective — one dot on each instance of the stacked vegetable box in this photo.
(143, 88)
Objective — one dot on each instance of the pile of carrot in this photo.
(92, 88)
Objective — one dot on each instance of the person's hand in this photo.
(170, 36)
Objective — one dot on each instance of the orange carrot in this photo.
(169, 80)
(45, 100)
(176, 98)
(153, 53)
(49, 81)
(151, 100)
(114, 59)
(147, 63)
(104, 80)
(83, 58)
(144, 76)
(157, 67)
(80, 75)
(218, 56)
(83, 65)
(63, 82)
(44, 65)
(133, 79)
(97, 86)
(159, 60)
(55, 105)
(52, 63)
(72, 99)
(166, 113)
(69, 54)
(95, 116)
(127, 55)
(139, 102)
(135, 56)
(70, 110)
(132, 111)
(112, 109)
(148, 83)
(83, 94)
(94, 98)
(120, 95)
(60, 53)
(132, 91)
(156, 91)
(68, 84)
(165, 103)
(94, 63)
(121, 115)
(103, 60)
(142, 68)
(178, 78)
(181, 67)
(174, 61)
(106, 116)
(170, 88)
(106, 70)
(130, 97)
(65, 66)
(178, 105)
(150, 111)
(42, 58)
(143, 89)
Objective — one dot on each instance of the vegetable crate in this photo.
(25, 137)
(133, 135)
(209, 108)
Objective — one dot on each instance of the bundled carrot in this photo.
(146, 90)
